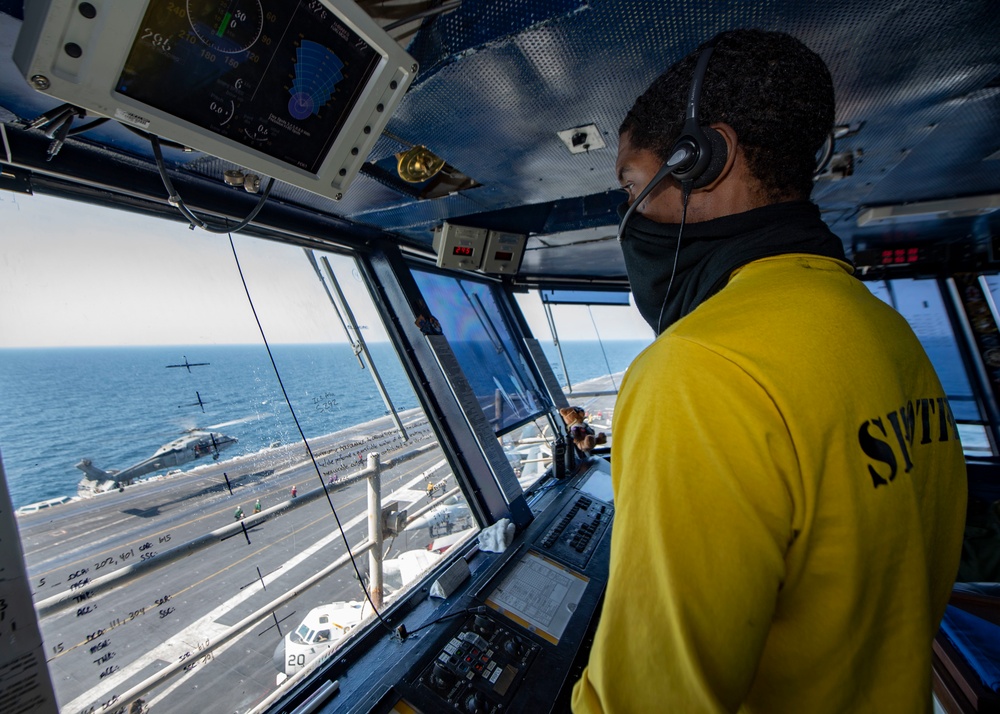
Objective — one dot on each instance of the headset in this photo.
(699, 154)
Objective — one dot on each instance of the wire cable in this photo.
(75, 131)
(679, 161)
(601, 343)
(686, 187)
(403, 633)
(434, 11)
(312, 457)
(175, 200)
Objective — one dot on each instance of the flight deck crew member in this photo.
(789, 485)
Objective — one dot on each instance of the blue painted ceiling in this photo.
(919, 81)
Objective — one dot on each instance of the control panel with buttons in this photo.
(477, 669)
(576, 531)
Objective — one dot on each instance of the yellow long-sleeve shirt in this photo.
(790, 497)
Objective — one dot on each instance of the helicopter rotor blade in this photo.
(231, 422)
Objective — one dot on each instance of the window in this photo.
(921, 303)
(134, 380)
(588, 346)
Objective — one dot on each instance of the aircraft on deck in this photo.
(452, 514)
(321, 629)
(324, 626)
(197, 443)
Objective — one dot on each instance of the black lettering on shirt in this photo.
(886, 452)
(947, 418)
(877, 449)
(926, 407)
(902, 426)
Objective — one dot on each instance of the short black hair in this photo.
(775, 92)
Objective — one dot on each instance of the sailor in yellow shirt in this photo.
(789, 485)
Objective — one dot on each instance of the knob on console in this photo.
(441, 679)
(513, 647)
(484, 625)
(476, 703)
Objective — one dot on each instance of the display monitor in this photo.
(470, 315)
(295, 90)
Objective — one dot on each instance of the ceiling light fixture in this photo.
(927, 210)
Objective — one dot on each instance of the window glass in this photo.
(529, 449)
(588, 347)
(472, 319)
(921, 303)
(134, 383)
(597, 342)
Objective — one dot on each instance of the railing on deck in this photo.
(372, 545)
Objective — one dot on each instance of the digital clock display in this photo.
(899, 256)
(462, 250)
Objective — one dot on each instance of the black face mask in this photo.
(710, 251)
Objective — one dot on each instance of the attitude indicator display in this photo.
(228, 27)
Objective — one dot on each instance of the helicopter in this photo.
(195, 444)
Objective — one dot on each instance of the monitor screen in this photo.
(296, 90)
(472, 319)
(281, 80)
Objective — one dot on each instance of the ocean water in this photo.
(117, 405)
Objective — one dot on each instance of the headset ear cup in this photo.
(717, 159)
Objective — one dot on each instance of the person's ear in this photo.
(724, 142)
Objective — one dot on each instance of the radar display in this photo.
(277, 77)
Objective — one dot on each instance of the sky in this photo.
(75, 274)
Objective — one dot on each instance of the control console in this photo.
(513, 637)
(475, 670)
